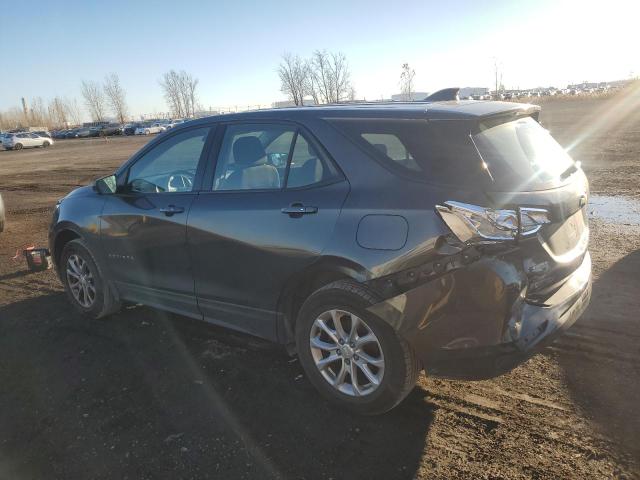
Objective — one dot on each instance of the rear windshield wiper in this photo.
(570, 170)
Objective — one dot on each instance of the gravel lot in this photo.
(150, 395)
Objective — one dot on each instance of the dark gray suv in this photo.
(373, 240)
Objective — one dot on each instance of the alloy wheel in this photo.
(81, 281)
(347, 353)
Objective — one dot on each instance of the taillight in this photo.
(475, 224)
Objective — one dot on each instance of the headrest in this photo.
(247, 150)
(381, 147)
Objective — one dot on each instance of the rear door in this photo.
(34, 140)
(267, 210)
(143, 226)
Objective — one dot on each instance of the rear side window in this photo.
(307, 166)
(434, 151)
(268, 157)
(253, 157)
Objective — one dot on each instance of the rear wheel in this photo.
(84, 283)
(351, 356)
(17, 146)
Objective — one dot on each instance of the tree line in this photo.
(325, 77)
(101, 100)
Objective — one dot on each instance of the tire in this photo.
(45, 144)
(147, 132)
(399, 366)
(104, 301)
(17, 146)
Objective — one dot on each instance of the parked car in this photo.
(385, 243)
(73, 133)
(43, 133)
(149, 128)
(18, 141)
(83, 133)
(110, 130)
(2, 215)
(130, 129)
(2, 136)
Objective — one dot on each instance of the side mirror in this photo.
(106, 185)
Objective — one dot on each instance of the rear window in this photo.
(521, 150)
(491, 154)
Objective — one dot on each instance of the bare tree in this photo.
(72, 108)
(180, 92)
(330, 77)
(115, 96)
(406, 82)
(94, 100)
(38, 114)
(58, 112)
(293, 74)
(352, 94)
(188, 86)
(191, 84)
(170, 84)
(320, 71)
(341, 77)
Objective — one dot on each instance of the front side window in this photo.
(170, 166)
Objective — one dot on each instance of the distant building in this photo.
(415, 97)
(471, 91)
(289, 103)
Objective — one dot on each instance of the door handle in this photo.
(171, 209)
(298, 209)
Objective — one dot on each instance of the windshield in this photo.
(521, 151)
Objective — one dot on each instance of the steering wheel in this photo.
(181, 181)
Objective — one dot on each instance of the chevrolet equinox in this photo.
(373, 240)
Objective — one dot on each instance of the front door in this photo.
(271, 210)
(143, 226)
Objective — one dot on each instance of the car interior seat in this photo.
(252, 170)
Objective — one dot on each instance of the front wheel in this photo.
(352, 357)
(84, 283)
(46, 144)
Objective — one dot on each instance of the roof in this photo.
(461, 109)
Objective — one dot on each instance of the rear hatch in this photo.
(529, 169)
(507, 170)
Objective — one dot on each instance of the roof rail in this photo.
(443, 95)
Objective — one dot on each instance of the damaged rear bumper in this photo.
(477, 323)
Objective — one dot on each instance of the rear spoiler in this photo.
(444, 95)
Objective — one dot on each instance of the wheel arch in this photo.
(304, 283)
(61, 238)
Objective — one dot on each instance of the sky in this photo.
(234, 48)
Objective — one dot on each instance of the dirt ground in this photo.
(150, 395)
